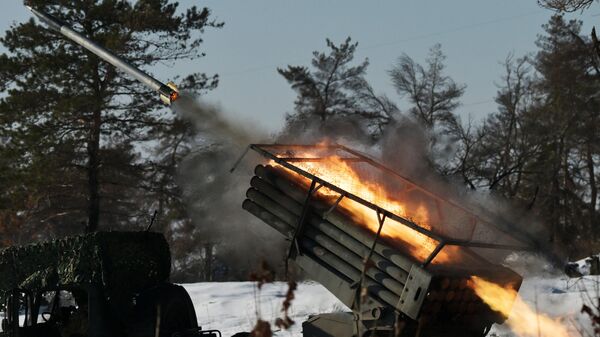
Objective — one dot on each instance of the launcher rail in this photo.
(265, 150)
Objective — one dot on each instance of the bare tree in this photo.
(504, 140)
(566, 5)
(540, 147)
(467, 139)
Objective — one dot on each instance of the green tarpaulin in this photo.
(120, 262)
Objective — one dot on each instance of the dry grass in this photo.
(262, 328)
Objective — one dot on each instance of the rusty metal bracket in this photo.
(334, 206)
(314, 187)
(433, 254)
(358, 283)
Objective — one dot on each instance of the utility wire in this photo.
(478, 103)
(392, 43)
(455, 29)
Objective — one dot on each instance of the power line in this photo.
(478, 103)
(413, 38)
(454, 30)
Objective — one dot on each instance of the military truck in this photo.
(96, 285)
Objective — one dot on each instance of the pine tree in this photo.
(541, 147)
(335, 92)
(434, 96)
(79, 134)
(566, 127)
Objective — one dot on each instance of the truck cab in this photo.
(58, 312)
(96, 285)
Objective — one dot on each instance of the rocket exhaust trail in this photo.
(168, 92)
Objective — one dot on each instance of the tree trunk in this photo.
(593, 187)
(93, 146)
(93, 149)
(554, 195)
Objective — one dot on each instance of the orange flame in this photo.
(338, 172)
(522, 319)
(174, 96)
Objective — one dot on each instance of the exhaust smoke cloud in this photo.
(214, 195)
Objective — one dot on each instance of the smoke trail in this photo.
(211, 123)
(214, 195)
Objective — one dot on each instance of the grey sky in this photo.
(260, 36)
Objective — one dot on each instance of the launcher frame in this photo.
(266, 150)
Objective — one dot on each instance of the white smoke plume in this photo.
(215, 195)
(405, 147)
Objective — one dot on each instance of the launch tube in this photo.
(329, 229)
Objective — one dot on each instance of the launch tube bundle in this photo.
(380, 278)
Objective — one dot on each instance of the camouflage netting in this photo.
(120, 262)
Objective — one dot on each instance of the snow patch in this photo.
(232, 306)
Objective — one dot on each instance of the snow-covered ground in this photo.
(232, 307)
(560, 298)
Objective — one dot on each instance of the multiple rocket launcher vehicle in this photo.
(390, 292)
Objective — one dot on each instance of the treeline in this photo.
(83, 148)
(540, 149)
